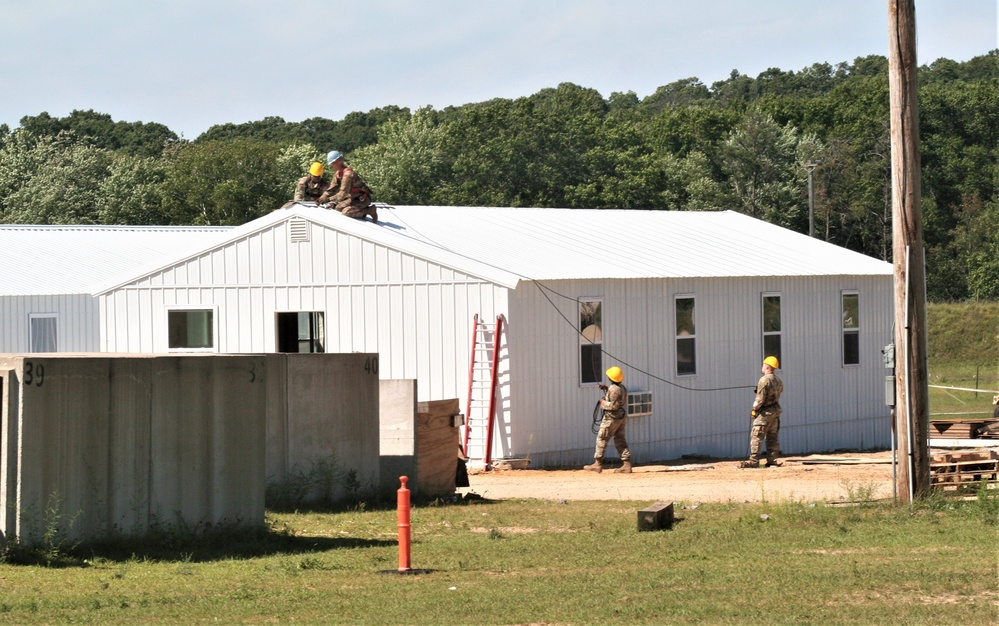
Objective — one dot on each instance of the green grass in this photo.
(966, 332)
(963, 348)
(527, 561)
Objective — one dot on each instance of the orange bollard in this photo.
(402, 506)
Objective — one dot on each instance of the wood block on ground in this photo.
(656, 516)
(437, 447)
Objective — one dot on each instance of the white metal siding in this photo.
(825, 404)
(415, 314)
(77, 321)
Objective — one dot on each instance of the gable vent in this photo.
(299, 230)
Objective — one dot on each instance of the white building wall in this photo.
(826, 405)
(416, 315)
(77, 323)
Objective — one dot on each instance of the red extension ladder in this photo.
(483, 370)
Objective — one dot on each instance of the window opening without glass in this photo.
(301, 332)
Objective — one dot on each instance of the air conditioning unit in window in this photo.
(639, 403)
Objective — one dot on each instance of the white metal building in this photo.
(51, 272)
(688, 303)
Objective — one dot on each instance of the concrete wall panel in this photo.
(108, 445)
(397, 428)
(129, 438)
(330, 419)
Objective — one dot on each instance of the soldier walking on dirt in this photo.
(766, 416)
(615, 408)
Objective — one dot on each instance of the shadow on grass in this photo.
(205, 543)
(177, 546)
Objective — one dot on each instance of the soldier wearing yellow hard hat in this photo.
(311, 186)
(766, 415)
(615, 407)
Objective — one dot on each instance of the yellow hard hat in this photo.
(615, 374)
(316, 169)
(772, 362)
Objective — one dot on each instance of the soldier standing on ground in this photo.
(766, 415)
(311, 186)
(347, 193)
(615, 408)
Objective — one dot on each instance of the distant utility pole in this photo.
(912, 418)
(811, 165)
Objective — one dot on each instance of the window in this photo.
(639, 403)
(590, 341)
(686, 361)
(191, 329)
(42, 332)
(851, 328)
(771, 327)
(302, 331)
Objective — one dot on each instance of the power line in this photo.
(542, 287)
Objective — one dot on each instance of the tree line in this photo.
(745, 144)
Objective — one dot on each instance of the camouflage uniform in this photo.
(766, 424)
(310, 188)
(349, 195)
(614, 404)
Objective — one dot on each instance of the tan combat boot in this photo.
(624, 469)
(598, 466)
(373, 212)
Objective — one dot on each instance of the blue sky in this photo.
(190, 64)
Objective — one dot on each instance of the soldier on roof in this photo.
(347, 193)
(311, 186)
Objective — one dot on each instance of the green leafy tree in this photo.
(131, 193)
(680, 93)
(51, 180)
(979, 242)
(98, 129)
(761, 159)
(490, 155)
(356, 130)
(222, 183)
(408, 164)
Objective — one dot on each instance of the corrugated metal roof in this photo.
(548, 244)
(76, 259)
(503, 245)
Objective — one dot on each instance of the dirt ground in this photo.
(829, 477)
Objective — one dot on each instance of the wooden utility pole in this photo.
(912, 417)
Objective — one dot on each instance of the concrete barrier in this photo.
(397, 435)
(323, 426)
(96, 445)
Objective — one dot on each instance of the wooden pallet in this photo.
(963, 471)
